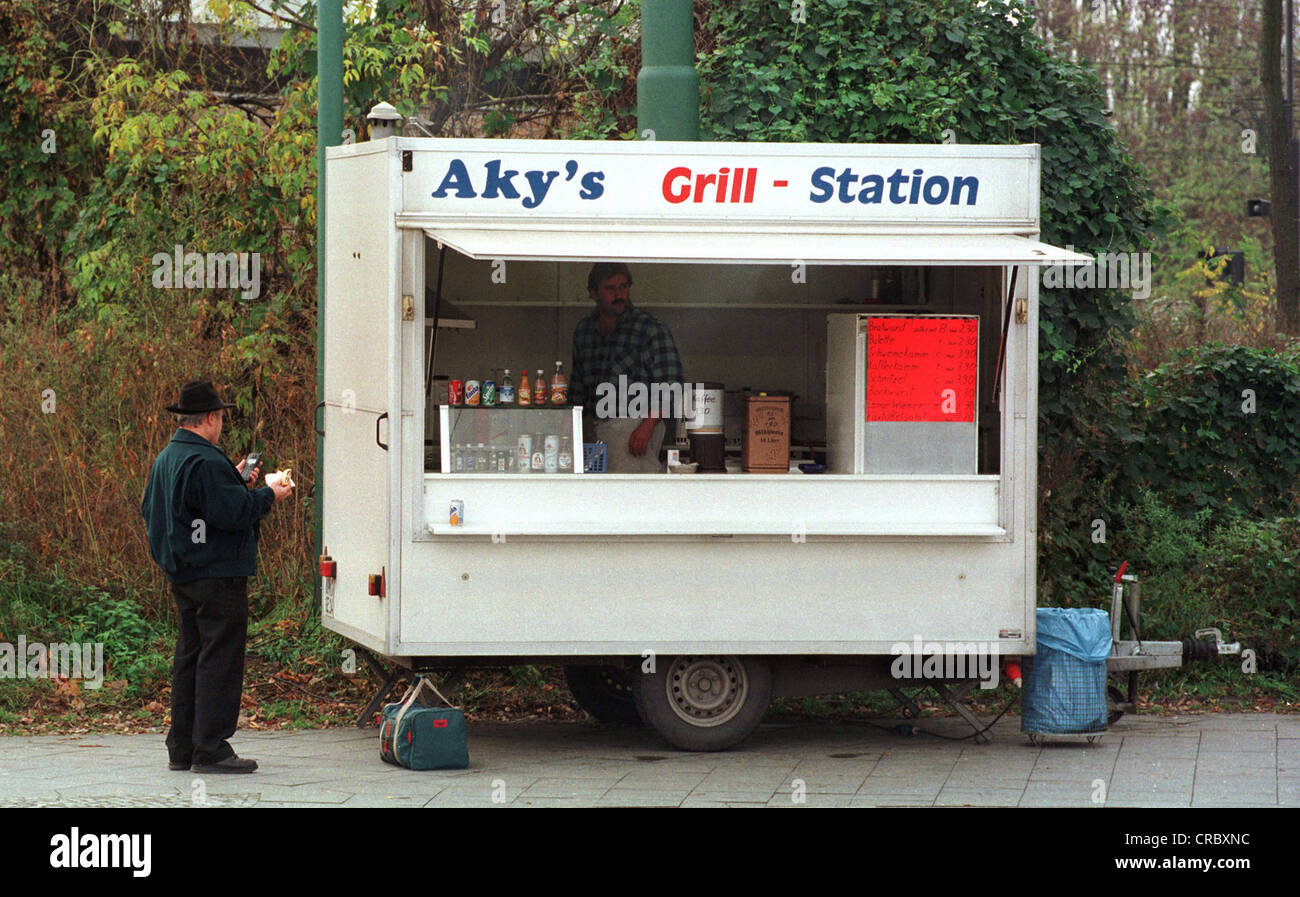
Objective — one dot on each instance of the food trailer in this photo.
(890, 292)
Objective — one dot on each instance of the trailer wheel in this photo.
(704, 703)
(604, 692)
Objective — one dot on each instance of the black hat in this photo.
(198, 396)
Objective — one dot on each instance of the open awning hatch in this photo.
(748, 247)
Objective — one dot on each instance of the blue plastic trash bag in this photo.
(1065, 683)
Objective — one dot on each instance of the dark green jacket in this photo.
(203, 521)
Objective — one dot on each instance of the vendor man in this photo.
(618, 339)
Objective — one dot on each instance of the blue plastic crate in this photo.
(593, 457)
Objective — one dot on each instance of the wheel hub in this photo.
(706, 691)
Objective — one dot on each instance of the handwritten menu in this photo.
(922, 369)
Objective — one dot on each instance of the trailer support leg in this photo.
(908, 705)
(389, 681)
(954, 700)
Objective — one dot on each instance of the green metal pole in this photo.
(667, 88)
(329, 132)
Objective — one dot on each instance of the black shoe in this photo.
(178, 765)
(230, 764)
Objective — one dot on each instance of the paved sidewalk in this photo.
(1225, 760)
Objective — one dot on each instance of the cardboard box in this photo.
(765, 447)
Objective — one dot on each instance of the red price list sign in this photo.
(922, 369)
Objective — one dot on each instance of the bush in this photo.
(1241, 576)
(1217, 428)
(135, 649)
(1189, 434)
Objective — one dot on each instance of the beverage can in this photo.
(472, 396)
(455, 392)
(457, 512)
(489, 392)
(524, 453)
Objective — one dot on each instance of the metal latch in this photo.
(408, 307)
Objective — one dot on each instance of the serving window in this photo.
(802, 334)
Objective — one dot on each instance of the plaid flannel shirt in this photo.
(639, 346)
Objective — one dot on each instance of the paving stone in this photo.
(631, 797)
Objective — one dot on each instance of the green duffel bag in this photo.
(423, 737)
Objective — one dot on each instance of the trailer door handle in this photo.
(315, 416)
(377, 420)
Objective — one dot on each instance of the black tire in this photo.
(604, 692)
(704, 702)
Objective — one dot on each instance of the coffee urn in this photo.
(704, 428)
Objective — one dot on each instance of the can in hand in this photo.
(457, 512)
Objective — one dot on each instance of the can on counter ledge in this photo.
(489, 392)
(457, 512)
(455, 392)
(472, 396)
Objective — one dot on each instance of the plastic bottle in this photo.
(539, 389)
(559, 386)
(525, 391)
(506, 391)
(566, 455)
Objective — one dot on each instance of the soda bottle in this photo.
(525, 392)
(539, 389)
(559, 386)
(506, 391)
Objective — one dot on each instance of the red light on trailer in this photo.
(329, 568)
(377, 584)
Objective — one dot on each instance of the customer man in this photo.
(618, 339)
(203, 524)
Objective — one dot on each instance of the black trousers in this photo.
(208, 675)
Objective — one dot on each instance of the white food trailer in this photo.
(892, 289)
